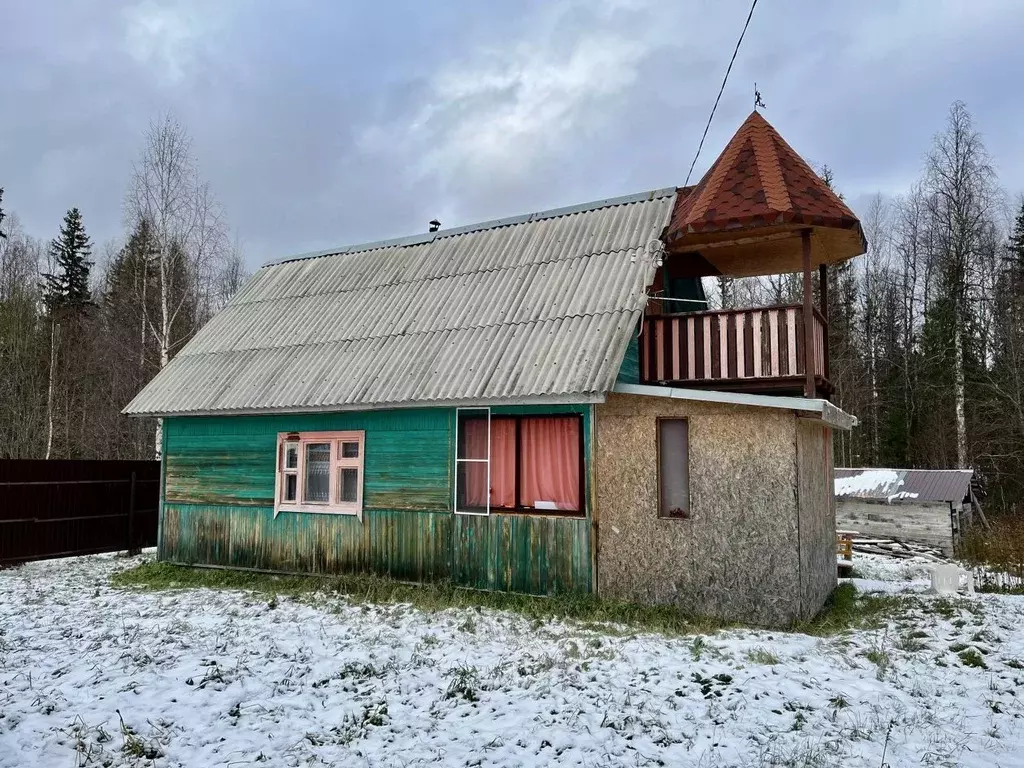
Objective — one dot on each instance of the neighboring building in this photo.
(925, 506)
(511, 405)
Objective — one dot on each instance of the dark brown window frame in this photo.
(663, 514)
(519, 509)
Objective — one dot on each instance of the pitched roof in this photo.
(909, 485)
(533, 308)
(758, 180)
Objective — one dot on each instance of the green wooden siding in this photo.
(218, 506)
(629, 371)
(230, 461)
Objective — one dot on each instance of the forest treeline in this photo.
(82, 332)
(926, 329)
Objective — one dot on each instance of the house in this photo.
(540, 403)
(924, 506)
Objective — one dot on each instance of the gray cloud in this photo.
(326, 123)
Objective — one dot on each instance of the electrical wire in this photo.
(720, 91)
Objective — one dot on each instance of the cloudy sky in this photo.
(324, 123)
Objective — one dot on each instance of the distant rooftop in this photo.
(894, 485)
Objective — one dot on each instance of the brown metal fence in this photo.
(68, 507)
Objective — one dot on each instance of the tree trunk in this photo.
(54, 335)
(958, 398)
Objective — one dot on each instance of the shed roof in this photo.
(537, 307)
(909, 485)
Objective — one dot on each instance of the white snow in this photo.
(868, 480)
(218, 678)
(900, 496)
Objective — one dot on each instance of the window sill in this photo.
(677, 518)
(318, 509)
(526, 512)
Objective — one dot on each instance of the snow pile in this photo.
(866, 481)
(93, 676)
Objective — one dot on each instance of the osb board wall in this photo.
(736, 557)
(816, 503)
(922, 522)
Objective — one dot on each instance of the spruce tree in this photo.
(68, 285)
(1014, 247)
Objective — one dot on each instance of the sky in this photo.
(319, 124)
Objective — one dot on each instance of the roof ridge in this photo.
(426, 237)
(182, 354)
(766, 160)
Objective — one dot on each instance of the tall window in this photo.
(320, 472)
(518, 463)
(673, 468)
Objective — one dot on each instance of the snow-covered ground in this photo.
(96, 676)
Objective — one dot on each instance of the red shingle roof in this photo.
(758, 181)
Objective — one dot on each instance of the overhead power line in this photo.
(720, 90)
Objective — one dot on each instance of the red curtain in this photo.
(503, 467)
(549, 456)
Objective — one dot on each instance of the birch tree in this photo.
(962, 196)
(188, 233)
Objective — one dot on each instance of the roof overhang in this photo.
(769, 248)
(819, 410)
(542, 400)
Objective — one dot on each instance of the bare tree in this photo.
(189, 234)
(230, 278)
(962, 199)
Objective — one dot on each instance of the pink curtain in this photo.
(503, 468)
(503, 463)
(549, 458)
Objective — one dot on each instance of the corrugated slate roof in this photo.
(893, 485)
(535, 307)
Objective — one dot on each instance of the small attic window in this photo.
(320, 472)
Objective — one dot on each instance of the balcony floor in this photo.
(783, 386)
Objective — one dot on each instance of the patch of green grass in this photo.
(911, 644)
(762, 656)
(586, 609)
(971, 658)
(844, 610)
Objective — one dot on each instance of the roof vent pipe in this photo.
(434, 225)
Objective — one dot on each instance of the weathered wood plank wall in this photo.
(926, 522)
(218, 507)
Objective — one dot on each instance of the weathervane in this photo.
(757, 99)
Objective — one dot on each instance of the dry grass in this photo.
(844, 610)
(1000, 550)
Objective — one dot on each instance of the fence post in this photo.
(132, 550)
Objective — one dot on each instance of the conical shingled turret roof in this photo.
(760, 185)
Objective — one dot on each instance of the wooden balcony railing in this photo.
(739, 349)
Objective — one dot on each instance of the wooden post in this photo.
(823, 297)
(823, 290)
(809, 387)
(131, 519)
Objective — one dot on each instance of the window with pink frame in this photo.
(320, 472)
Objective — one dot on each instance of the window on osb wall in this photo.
(674, 469)
(528, 464)
(320, 472)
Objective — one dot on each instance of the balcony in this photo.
(761, 351)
